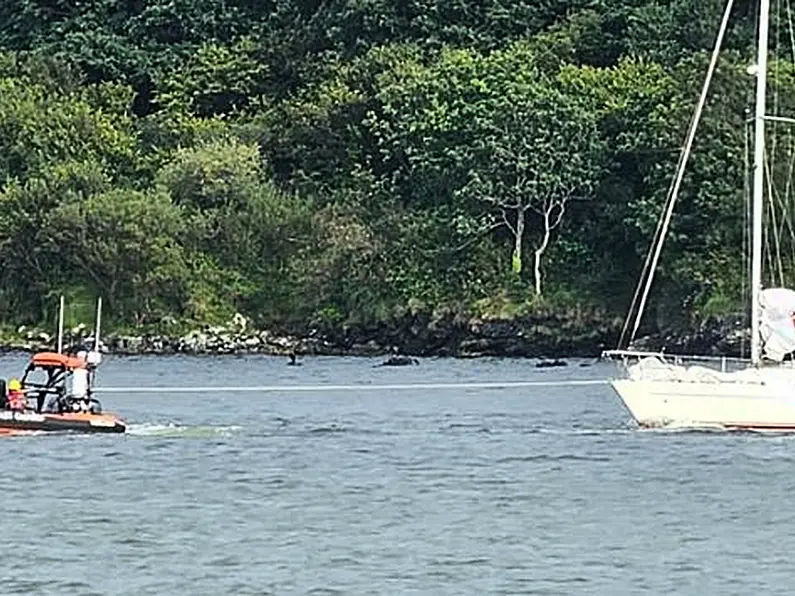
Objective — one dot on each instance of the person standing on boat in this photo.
(80, 385)
(16, 396)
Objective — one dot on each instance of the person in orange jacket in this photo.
(16, 396)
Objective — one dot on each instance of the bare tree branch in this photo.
(507, 223)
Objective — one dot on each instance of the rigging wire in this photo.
(776, 69)
(781, 210)
(790, 211)
(656, 248)
(775, 262)
(746, 232)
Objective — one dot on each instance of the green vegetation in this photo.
(323, 164)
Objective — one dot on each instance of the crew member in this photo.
(79, 391)
(16, 396)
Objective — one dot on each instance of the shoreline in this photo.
(421, 335)
(537, 337)
(159, 346)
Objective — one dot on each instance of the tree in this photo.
(536, 149)
(126, 244)
(496, 129)
(239, 219)
(42, 124)
(217, 79)
(29, 268)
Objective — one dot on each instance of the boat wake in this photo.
(180, 431)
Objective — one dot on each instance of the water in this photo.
(543, 490)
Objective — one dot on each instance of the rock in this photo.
(239, 322)
(721, 336)
(135, 343)
(400, 361)
(551, 363)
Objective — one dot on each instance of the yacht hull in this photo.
(728, 405)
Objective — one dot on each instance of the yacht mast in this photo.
(759, 172)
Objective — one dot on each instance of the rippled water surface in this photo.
(536, 490)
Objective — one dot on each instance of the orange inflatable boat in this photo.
(57, 396)
(55, 392)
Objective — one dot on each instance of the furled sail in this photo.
(776, 326)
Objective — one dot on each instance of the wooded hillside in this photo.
(323, 162)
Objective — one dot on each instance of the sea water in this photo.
(518, 490)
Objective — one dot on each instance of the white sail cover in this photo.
(776, 325)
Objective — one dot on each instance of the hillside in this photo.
(335, 165)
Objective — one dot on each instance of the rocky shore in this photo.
(415, 334)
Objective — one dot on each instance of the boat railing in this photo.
(662, 355)
(724, 362)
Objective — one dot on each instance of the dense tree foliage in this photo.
(317, 163)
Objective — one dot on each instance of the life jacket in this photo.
(17, 400)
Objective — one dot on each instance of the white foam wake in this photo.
(178, 430)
